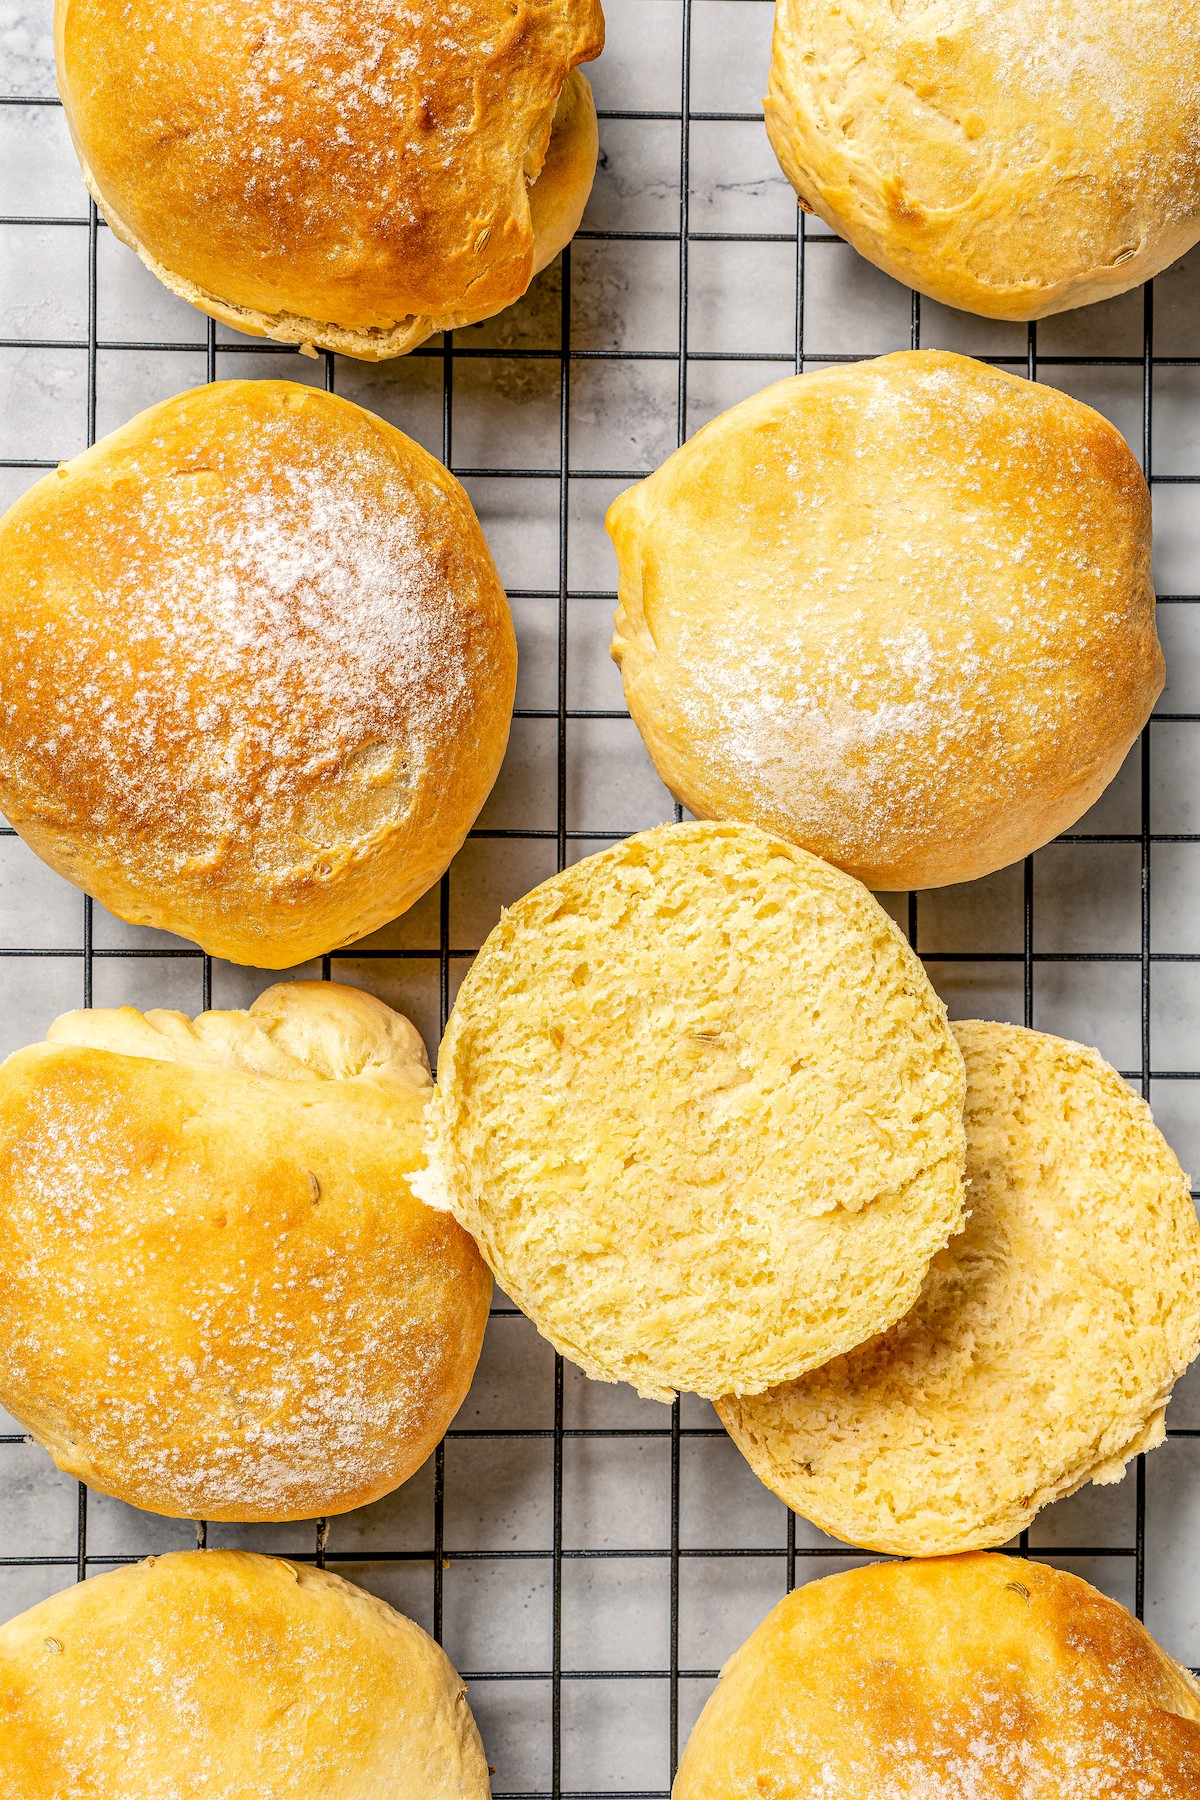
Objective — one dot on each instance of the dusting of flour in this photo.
(270, 1342)
(877, 619)
(246, 651)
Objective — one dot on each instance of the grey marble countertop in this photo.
(620, 404)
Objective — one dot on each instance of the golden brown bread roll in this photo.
(899, 612)
(702, 1112)
(1047, 1338)
(347, 173)
(1004, 157)
(259, 670)
(218, 1296)
(971, 1678)
(214, 1675)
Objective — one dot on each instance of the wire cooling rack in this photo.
(590, 1559)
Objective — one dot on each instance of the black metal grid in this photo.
(456, 351)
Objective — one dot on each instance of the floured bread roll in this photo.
(214, 1675)
(1002, 156)
(348, 173)
(1047, 1338)
(973, 1678)
(219, 1298)
(701, 1110)
(258, 670)
(899, 612)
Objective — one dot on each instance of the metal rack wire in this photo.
(793, 1558)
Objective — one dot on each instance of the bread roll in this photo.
(979, 1678)
(1001, 157)
(218, 1296)
(213, 1675)
(1047, 1338)
(899, 612)
(700, 1108)
(259, 670)
(344, 173)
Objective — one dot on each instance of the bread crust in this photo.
(1000, 161)
(219, 1298)
(1047, 1338)
(259, 670)
(973, 1675)
(326, 178)
(899, 612)
(214, 1672)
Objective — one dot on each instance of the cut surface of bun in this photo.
(1047, 1338)
(700, 1108)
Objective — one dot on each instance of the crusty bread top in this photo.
(701, 1110)
(217, 1675)
(259, 669)
(1004, 156)
(1047, 1337)
(294, 1031)
(265, 1323)
(971, 1678)
(344, 161)
(899, 612)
